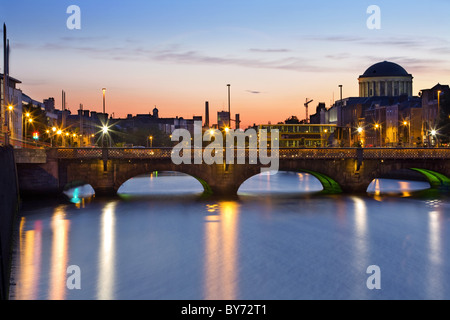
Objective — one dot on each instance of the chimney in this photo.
(238, 121)
(207, 114)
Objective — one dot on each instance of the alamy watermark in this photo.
(227, 147)
(374, 20)
(73, 281)
(74, 20)
(374, 280)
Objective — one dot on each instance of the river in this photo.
(279, 240)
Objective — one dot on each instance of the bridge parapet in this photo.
(36, 156)
(166, 153)
(406, 153)
(283, 153)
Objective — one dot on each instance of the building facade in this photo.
(11, 112)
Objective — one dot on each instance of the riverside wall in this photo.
(9, 208)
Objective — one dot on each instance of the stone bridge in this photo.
(348, 170)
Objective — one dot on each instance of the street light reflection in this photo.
(221, 231)
(107, 253)
(59, 257)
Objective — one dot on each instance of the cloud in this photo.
(253, 91)
(194, 57)
(269, 50)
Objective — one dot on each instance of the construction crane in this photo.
(306, 107)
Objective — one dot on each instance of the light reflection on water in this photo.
(256, 247)
(400, 187)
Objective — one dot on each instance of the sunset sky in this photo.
(177, 54)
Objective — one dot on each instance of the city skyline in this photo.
(177, 55)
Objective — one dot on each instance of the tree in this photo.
(292, 120)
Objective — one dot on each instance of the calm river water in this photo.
(278, 240)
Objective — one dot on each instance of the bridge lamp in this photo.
(360, 130)
(227, 129)
(105, 129)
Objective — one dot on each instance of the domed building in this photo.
(385, 79)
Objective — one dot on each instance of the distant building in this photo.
(385, 113)
(303, 135)
(223, 119)
(431, 99)
(320, 115)
(385, 79)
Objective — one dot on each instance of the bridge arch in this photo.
(412, 173)
(329, 185)
(436, 179)
(142, 170)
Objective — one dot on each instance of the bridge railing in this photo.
(282, 153)
(406, 153)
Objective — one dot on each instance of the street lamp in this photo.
(104, 131)
(434, 133)
(229, 108)
(151, 141)
(10, 109)
(408, 123)
(377, 126)
(50, 136)
(360, 131)
(27, 120)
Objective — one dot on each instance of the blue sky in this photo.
(178, 54)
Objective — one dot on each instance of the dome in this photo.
(385, 69)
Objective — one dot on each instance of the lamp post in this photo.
(104, 131)
(435, 138)
(27, 116)
(150, 138)
(59, 133)
(29, 121)
(51, 136)
(377, 126)
(408, 123)
(360, 131)
(10, 111)
(340, 107)
(439, 107)
(229, 106)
